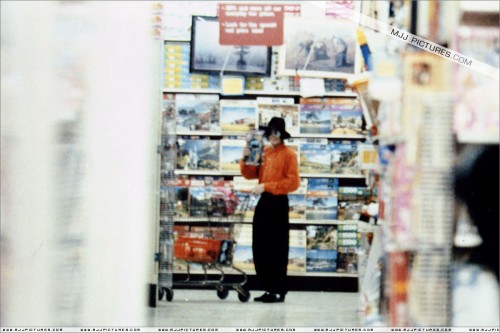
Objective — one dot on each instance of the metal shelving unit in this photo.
(256, 92)
(167, 221)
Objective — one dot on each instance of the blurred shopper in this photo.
(475, 278)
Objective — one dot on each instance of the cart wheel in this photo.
(245, 296)
(170, 295)
(222, 293)
(161, 293)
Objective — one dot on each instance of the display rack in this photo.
(295, 223)
(168, 155)
(281, 87)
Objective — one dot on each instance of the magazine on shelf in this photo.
(297, 203)
(347, 116)
(254, 142)
(197, 153)
(199, 200)
(294, 144)
(238, 116)
(302, 189)
(315, 158)
(321, 261)
(344, 158)
(243, 255)
(285, 108)
(210, 232)
(223, 201)
(254, 83)
(246, 203)
(297, 251)
(197, 113)
(182, 201)
(321, 237)
(320, 206)
(354, 193)
(321, 199)
(231, 151)
(315, 119)
(346, 122)
(347, 260)
(321, 255)
(329, 184)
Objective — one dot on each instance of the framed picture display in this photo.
(319, 48)
(208, 56)
(231, 151)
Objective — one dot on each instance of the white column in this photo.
(120, 155)
(116, 219)
(28, 108)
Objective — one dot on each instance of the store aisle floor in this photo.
(202, 308)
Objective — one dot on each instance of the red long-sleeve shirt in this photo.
(279, 171)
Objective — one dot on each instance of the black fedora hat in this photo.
(277, 124)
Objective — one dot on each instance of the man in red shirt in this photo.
(278, 175)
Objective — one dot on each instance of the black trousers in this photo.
(271, 241)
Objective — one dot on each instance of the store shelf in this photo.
(332, 175)
(207, 173)
(256, 92)
(295, 136)
(204, 219)
(203, 133)
(297, 93)
(238, 173)
(191, 91)
(329, 136)
(229, 271)
(362, 226)
(324, 274)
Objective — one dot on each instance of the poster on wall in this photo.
(319, 48)
(208, 56)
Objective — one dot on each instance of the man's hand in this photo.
(259, 189)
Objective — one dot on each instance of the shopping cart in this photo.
(213, 248)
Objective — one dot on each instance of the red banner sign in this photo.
(251, 24)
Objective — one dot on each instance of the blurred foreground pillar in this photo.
(78, 163)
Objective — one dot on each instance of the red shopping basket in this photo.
(201, 250)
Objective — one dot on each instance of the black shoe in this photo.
(259, 299)
(273, 298)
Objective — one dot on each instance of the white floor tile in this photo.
(203, 308)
